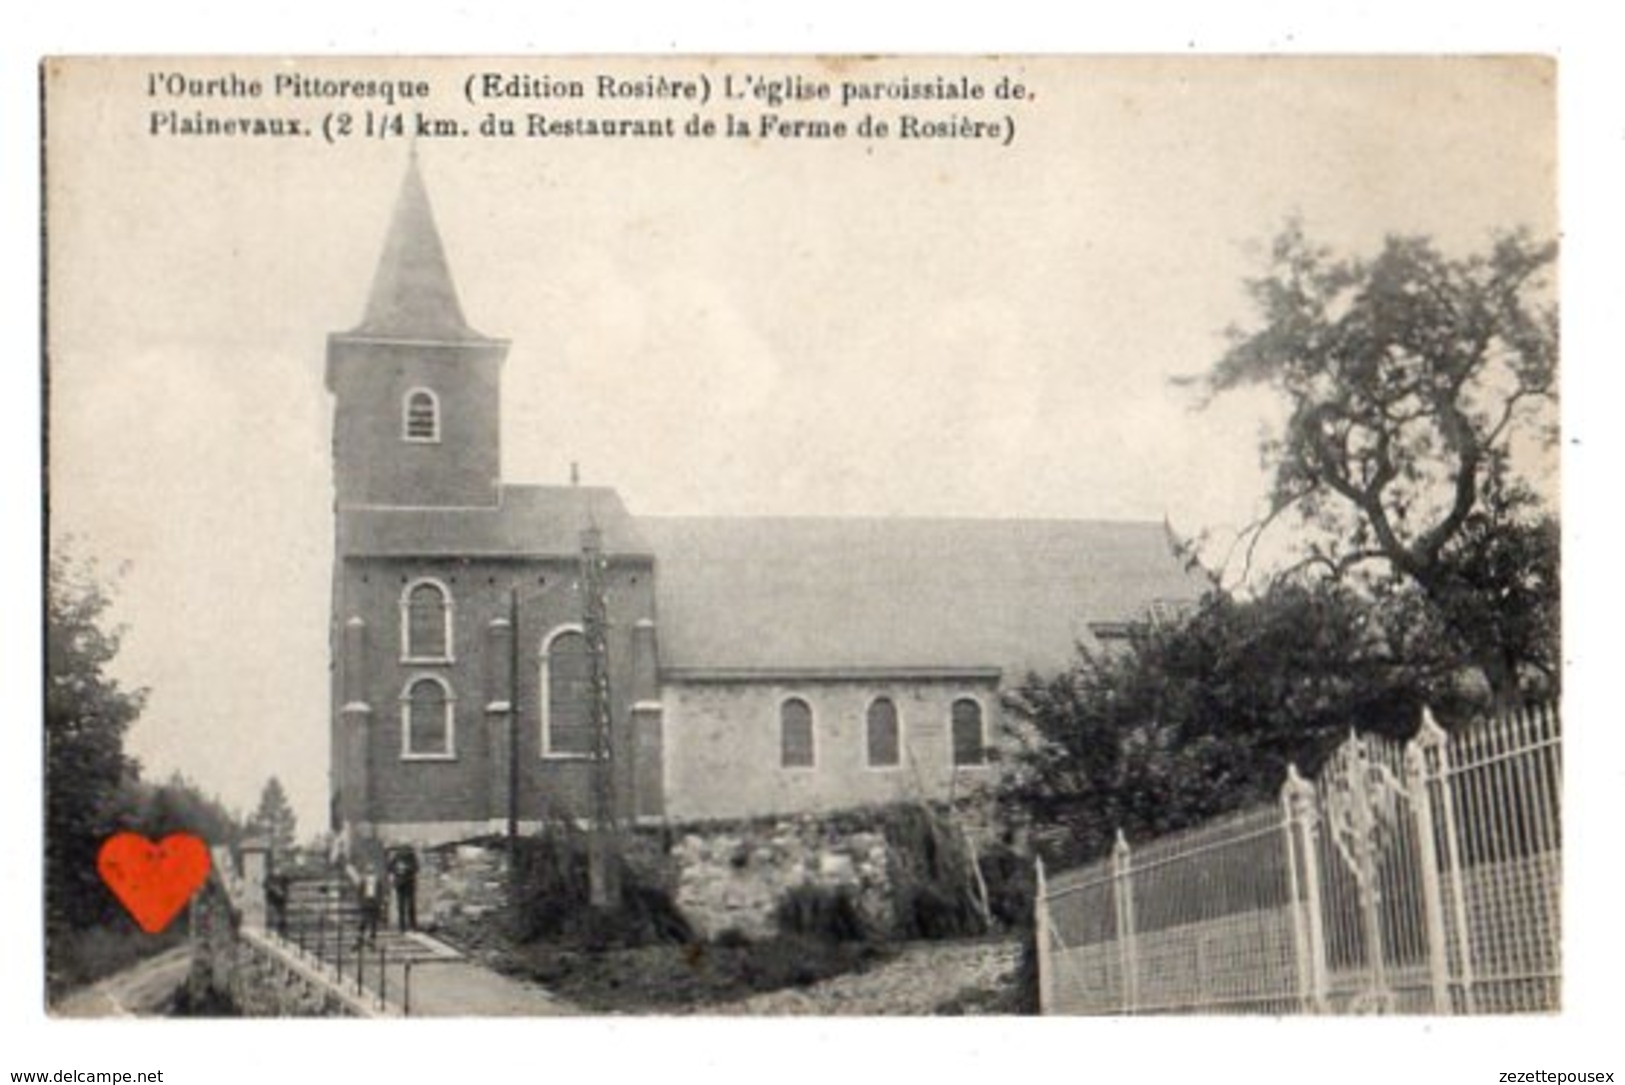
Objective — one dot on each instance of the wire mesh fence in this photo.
(1414, 878)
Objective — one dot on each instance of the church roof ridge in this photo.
(775, 593)
(1138, 523)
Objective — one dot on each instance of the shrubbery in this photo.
(551, 899)
(819, 911)
(933, 877)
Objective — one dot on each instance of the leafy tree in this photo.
(1412, 381)
(1200, 717)
(274, 818)
(175, 806)
(87, 713)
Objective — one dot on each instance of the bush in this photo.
(202, 1002)
(818, 911)
(932, 877)
(931, 912)
(1010, 888)
(552, 900)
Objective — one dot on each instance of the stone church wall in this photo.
(723, 751)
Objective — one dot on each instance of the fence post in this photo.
(1422, 755)
(1041, 938)
(1303, 816)
(1438, 750)
(1123, 896)
(1362, 848)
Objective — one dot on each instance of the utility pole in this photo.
(513, 724)
(603, 883)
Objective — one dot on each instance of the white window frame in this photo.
(953, 746)
(407, 752)
(448, 613)
(897, 718)
(406, 416)
(812, 733)
(545, 687)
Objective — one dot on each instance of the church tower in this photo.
(417, 392)
(460, 609)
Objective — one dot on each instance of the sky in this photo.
(713, 327)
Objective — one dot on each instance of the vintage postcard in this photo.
(802, 536)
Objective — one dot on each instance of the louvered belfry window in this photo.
(427, 632)
(567, 674)
(795, 734)
(884, 747)
(422, 416)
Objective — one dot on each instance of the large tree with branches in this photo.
(87, 712)
(1414, 383)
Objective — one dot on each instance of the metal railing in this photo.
(335, 945)
(1414, 878)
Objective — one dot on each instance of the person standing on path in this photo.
(403, 871)
(276, 898)
(371, 897)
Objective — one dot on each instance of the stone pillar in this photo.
(355, 728)
(648, 739)
(499, 719)
(256, 870)
(645, 662)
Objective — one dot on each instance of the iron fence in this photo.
(1414, 878)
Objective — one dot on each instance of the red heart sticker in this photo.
(153, 881)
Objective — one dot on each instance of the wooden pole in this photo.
(603, 892)
(513, 722)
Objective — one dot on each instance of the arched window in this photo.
(884, 741)
(970, 738)
(796, 734)
(566, 672)
(426, 622)
(427, 727)
(420, 416)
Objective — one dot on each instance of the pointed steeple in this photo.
(413, 296)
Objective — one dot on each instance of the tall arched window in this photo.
(426, 622)
(420, 416)
(427, 724)
(796, 750)
(566, 672)
(970, 738)
(881, 731)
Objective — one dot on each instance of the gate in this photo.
(1421, 877)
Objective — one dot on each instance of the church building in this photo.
(505, 652)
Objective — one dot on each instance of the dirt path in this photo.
(142, 990)
(921, 979)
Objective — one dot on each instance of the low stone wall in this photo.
(724, 876)
(461, 882)
(239, 971)
(732, 878)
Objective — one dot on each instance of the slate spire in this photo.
(413, 296)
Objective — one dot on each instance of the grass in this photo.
(671, 977)
(78, 957)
